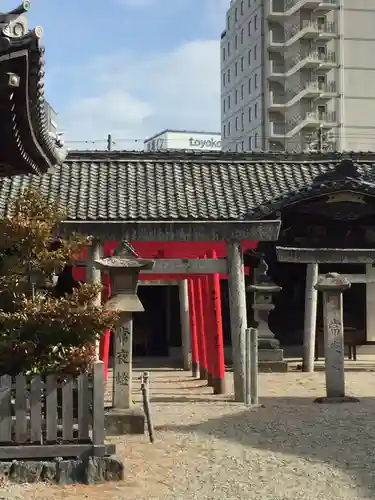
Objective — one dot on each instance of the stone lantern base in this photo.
(124, 421)
(272, 360)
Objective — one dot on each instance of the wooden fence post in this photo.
(98, 404)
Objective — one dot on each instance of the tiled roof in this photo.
(94, 186)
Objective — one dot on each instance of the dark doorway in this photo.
(150, 326)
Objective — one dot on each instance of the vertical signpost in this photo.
(332, 285)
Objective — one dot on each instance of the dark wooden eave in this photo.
(27, 146)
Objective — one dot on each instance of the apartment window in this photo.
(224, 79)
(242, 124)
(225, 130)
(250, 86)
(255, 52)
(242, 91)
(242, 64)
(321, 22)
(235, 15)
(223, 53)
(250, 114)
(322, 82)
(322, 112)
(250, 143)
(241, 8)
(236, 97)
(255, 81)
(224, 105)
(229, 127)
(229, 101)
(236, 69)
(322, 52)
(236, 42)
(237, 124)
(228, 49)
(241, 37)
(249, 57)
(249, 3)
(228, 22)
(256, 140)
(249, 28)
(242, 146)
(256, 110)
(228, 75)
(255, 22)
(237, 147)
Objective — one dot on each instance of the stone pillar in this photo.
(332, 285)
(238, 316)
(370, 304)
(185, 324)
(122, 366)
(94, 275)
(309, 331)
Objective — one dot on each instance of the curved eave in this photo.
(23, 121)
(310, 192)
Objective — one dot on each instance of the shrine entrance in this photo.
(341, 220)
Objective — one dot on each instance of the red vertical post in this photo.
(193, 329)
(218, 347)
(208, 322)
(200, 329)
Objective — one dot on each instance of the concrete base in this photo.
(338, 399)
(273, 366)
(128, 421)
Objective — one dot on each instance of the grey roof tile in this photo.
(135, 186)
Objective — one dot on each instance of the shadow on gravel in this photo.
(339, 435)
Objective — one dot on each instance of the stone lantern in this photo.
(270, 355)
(124, 268)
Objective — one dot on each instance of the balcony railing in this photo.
(288, 4)
(311, 26)
(318, 57)
(311, 116)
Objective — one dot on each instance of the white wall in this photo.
(199, 141)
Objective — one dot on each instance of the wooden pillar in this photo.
(94, 276)
(201, 330)
(332, 285)
(238, 318)
(185, 324)
(123, 362)
(370, 303)
(309, 331)
(208, 324)
(218, 340)
(193, 329)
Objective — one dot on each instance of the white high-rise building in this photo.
(298, 75)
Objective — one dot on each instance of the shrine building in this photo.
(325, 202)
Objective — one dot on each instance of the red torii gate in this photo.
(206, 329)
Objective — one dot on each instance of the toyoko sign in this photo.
(177, 140)
(211, 143)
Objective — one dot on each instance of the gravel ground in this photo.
(211, 448)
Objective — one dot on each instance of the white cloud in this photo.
(134, 97)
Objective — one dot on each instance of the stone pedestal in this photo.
(270, 356)
(332, 286)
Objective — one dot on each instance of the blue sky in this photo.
(131, 67)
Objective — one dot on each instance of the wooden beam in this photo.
(23, 452)
(326, 255)
(208, 230)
